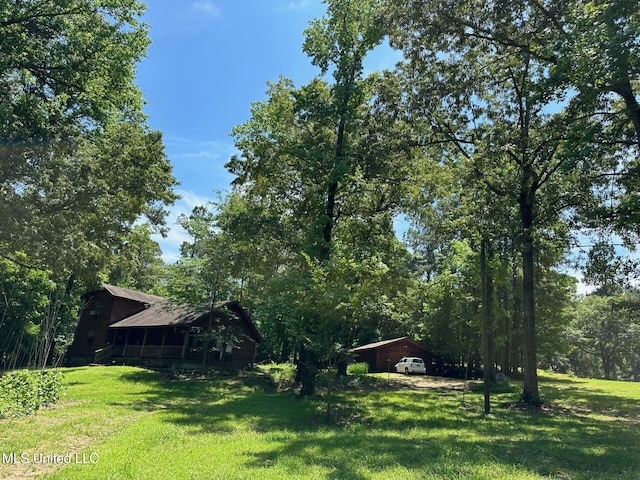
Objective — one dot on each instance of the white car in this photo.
(411, 365)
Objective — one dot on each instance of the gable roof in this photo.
(372, 346)
(141, 297)
(165, 314)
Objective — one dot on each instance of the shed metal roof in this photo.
(371, 346)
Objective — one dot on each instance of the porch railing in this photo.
(151, 351)
(102, 354)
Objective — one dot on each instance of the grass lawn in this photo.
(128, 423)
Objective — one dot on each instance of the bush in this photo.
(25, 391)
(283, 374)
(358, 368)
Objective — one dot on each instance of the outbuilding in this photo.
(382, 356)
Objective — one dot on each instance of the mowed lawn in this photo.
(130, 423)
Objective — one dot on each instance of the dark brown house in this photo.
(382, 356)
(121, 325)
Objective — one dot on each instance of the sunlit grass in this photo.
(141, 425)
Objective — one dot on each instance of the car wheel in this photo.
(406, 370)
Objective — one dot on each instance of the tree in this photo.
(78, 164)
(137, 264)
(480, 74)
(67, 67)
(606, 328)
(596, 50)
(74, 210)
(24, 298)
(325, 192)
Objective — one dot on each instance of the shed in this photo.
(382, 356)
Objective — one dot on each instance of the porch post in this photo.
(144, 342)
(126, 342)
(164, 334)
(185, 343)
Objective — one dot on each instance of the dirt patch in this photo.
(418, 382)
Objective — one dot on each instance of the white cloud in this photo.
(298, 5)
(176, 235)
(206, 7)
(193, 148)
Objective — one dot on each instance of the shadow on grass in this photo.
(588, 401)
(424, 432)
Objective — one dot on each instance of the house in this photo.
(382, 356)
(121, 325)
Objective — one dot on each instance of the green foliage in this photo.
(358, 368)
(321, 230)
(67, 66)
(82, 205)
(25, 391)
(36, 315)
(483, 80)
(449, 322)
(137, 262)
(606, 334)
(79, 164)
(283, 374)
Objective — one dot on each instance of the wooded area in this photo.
(508, 137)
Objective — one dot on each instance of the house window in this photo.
(90, 338)
(224, 350)
(95, 311)
(228, 350)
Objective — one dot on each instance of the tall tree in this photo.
(78, 163)
(479, 72)
(310, 156)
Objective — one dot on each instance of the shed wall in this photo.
(383, 358)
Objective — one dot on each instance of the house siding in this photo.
(162, 344)
(93, 330)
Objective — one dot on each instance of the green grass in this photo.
(140, 425)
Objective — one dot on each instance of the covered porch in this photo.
(222, 334)
(164, 343)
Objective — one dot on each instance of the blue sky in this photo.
(208, 61)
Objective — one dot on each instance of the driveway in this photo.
(428, 381)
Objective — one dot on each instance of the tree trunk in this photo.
(635, 367)
(307, 370)
(485, 326)
(530, 392)
(506, 332)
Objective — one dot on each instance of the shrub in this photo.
(25, 391)
(283, 374)
(358, 369)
